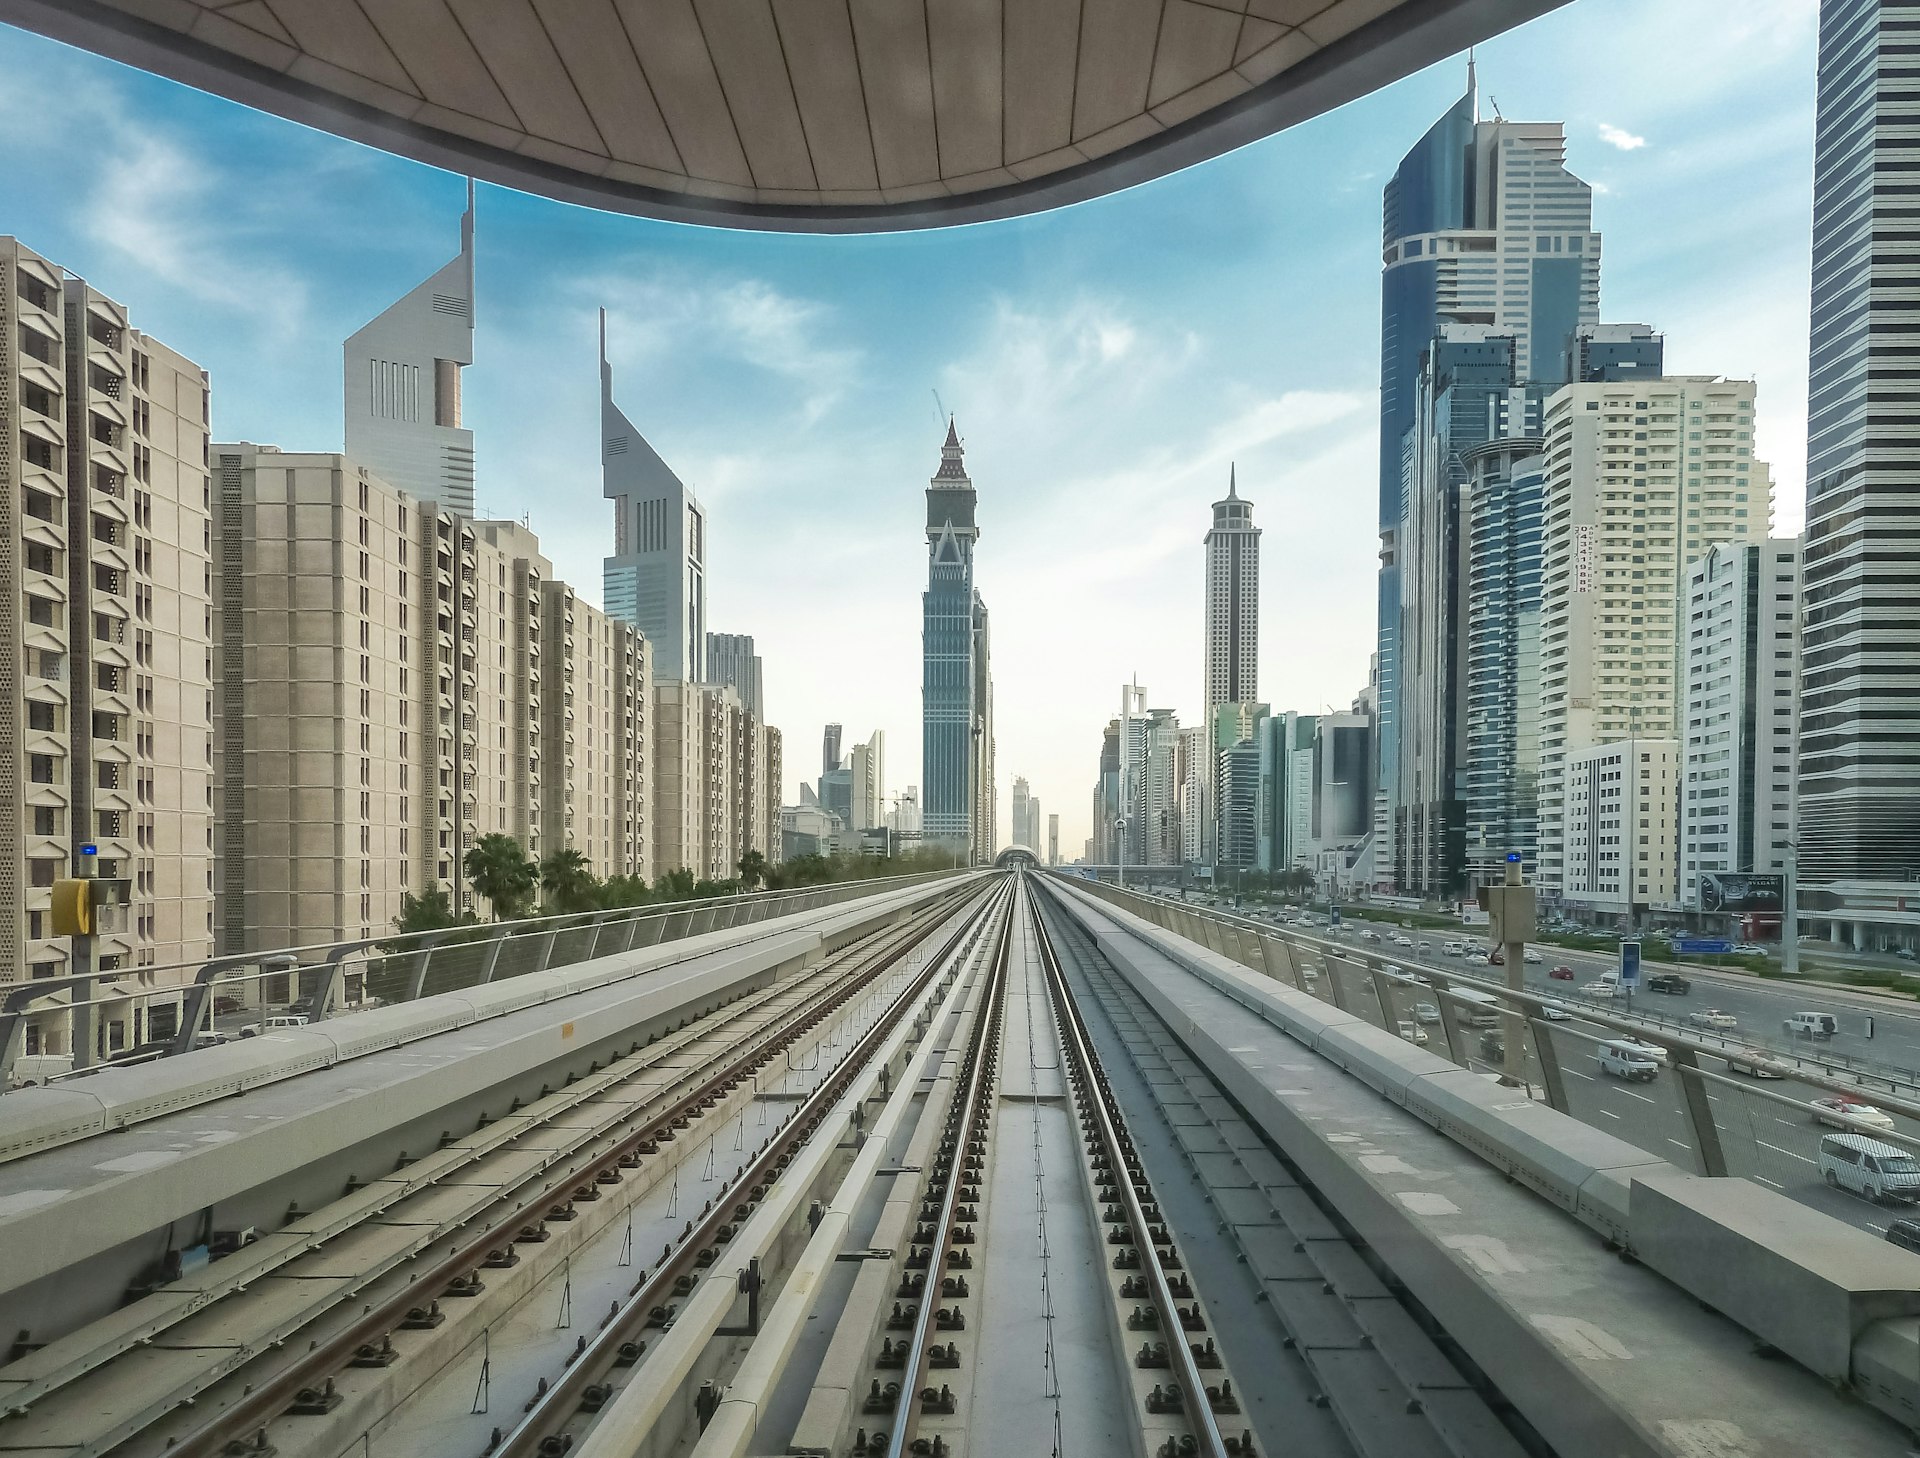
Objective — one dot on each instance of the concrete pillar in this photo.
(1706, 1134)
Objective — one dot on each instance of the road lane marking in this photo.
(1681, 1144)
(1788, 1152)
(1610, 1113)
(1578, 1074)
(1642, 1097)
(1765, 1181)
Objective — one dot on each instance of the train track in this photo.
(412, 1245)
(994, 1208)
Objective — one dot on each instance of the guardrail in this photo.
(1703, 1120)
(325, 979)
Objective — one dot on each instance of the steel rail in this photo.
(550, 1412)
(963, 1118)
(1092, 1080)
(101, 1356)
(267, 1399)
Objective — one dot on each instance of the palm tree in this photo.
(568, 881)
(500, 872)
(753, 869)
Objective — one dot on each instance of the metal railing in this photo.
(242, 991)
(1702, 1119)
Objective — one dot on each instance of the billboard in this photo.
(1742, 894)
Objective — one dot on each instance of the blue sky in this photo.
(1106, 362)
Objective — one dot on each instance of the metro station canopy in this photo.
(801, 115)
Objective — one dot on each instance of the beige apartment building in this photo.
(1643, 477)
(104, 542)
(598, 735)
(717, 780)
(1622, 839)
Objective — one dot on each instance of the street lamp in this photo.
(1790, 913)
(1120, 844)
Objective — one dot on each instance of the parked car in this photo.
(1868, 1167)
(1712, 1017)
(1627, 1058)
(1810, 1025)
(1756, 1065)
(1835, 1109)
(1561, 974)
(1669, 982)
(1906, 954)
(225, 1003)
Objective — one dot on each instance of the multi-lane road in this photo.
(1766, 1127)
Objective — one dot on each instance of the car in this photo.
(1533, 957)
(1628, 1058)
(1836, 1109)
(1493, 1047)
(1426, 1012)
(1453, 949)
(1712, 1017)
(1478, 959)
(1403, 941)
(1810, 1025)
(1756, 1064)
(1495, 958)
(1607, 986)
(1904, 1233)
(1906, 954)
(1561, 974)
(1669, 982)
(1424, 947)
(1646, 1049)
(1868, 1167)
(1413, 1033)
(1553, 1012)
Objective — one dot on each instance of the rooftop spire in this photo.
(1473, 90)
(952, 465)
(1233, 483)
(953, 436)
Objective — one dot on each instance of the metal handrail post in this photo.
(417, 988)
(494, 948)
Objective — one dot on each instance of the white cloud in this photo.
(1619, 137)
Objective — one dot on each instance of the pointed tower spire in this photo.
(1233, 482)
(953, 436)
(1473, 86)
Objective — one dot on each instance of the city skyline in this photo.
(1007, 346)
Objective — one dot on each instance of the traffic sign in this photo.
(1702, 946)
(1630, 966)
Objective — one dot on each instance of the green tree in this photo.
(753, 869)
(431, 912)
(617, 892)
(568, 881)
(500, 872)
(674, 885)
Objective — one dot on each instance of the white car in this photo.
(1424, 947)
(1646, 1049)
(1369, 936)
(1478, 959)
(1712, 1017)
(1838, 1108)
(1413, 1033)
(1403, 941)
(1601, 987)
(1554, 1013)
(1533, 956)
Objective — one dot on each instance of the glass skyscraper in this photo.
(1859, 783)
(1482, 224)
(955, 687)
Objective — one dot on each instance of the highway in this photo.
(1761, 1138)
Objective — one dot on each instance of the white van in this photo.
(286, 1020)
(1868, 1167)
(1475, 1009)
(1628, 1060)
(1811, 1025)
(1454, 949)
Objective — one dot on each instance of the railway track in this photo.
(953, 1191)
(213, 1358)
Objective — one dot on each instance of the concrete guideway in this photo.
(1445, 1176)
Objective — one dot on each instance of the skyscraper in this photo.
(656, 578)
(830, 749)
(1021, 796)
(403, 386)
(1859, 811)
(956, 686)
(1482, 224)
(1233, 603)
(731, 660)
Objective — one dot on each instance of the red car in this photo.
(1561, 974)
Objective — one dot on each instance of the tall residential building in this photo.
(1742, 712)
(1501, 710)
(1160, 776)
(1622, 846)
(866, 783)
(596, 750)
(1021, 795)
(1239, 805)
(403, 386)
(656, 578)
(336, 701)
(1195, 776)
(830, 748)
(1859, 790)
(1642, 477)
(1482, 223)
(104, 646)
(1233, 603)
(731, 660)
(773, 756)
(956, 686)
(1053, 840)
(1107, 800)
